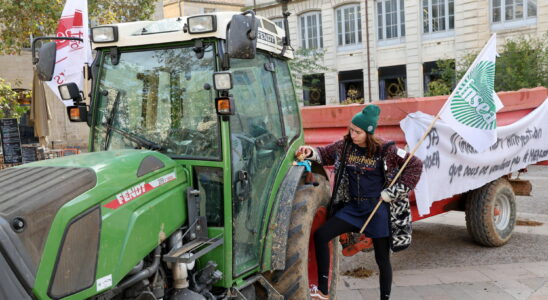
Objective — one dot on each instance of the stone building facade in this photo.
(175, 8)
(383, 49)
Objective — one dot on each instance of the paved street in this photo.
(444, 263)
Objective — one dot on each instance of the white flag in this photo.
(72, 55)
(472, 107)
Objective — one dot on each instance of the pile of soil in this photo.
(528, 223)
(359, 273)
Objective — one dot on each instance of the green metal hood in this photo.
(140, 197)
(119, 165)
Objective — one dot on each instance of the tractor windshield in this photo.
(161, 97)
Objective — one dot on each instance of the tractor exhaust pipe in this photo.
(141, 275)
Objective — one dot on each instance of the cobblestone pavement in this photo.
(481, 282)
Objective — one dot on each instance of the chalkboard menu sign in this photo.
(11, 141)
(29, 154)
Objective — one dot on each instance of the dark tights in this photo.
(335, 227)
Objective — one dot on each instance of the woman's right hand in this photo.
(307, 150)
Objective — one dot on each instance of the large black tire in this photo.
(310, 203)
(491, 213)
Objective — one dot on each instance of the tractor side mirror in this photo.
(45, 63)
(242, 36)
(70, 91)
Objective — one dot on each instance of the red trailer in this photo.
(490, 209)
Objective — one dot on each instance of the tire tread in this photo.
(292, 282)
(479, 219)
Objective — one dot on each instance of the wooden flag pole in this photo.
(403, 167)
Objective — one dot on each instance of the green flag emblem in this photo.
(472, 102)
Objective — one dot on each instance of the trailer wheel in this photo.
(308, 214)
(491, 213)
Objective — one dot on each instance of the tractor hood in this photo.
(32, 194)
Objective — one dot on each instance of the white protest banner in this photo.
(471, 108)
(452, 166)
(71, 55)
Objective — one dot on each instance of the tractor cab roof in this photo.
(269, 36)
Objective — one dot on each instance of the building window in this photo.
(279, 22)
(349, 25)
(390, 19)
(208, 10)
(392, 82)
(313, 89)
(311, 30)
(438, 15)
(351, 86)
(517, 12)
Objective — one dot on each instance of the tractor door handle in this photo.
(243, 187)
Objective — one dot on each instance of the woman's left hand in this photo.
(385, 196)
(396, 192)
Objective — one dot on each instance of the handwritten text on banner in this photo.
(452, 166)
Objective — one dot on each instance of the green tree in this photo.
(116, 11)
(445, 73)
(307, 61)
(9, 104)
(522, 63)
(22, 19)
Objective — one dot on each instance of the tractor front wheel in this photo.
(491, 213)
(308, 214)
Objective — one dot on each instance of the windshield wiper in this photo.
(140, 141)
(110, 119)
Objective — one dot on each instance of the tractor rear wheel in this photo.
(491, 213)
(308, 214)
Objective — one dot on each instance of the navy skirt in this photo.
(356, 213)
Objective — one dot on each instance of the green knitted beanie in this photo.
(367, 119)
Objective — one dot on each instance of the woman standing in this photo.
(367, 171)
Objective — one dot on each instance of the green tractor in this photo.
(189, 191)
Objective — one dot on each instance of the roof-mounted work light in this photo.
(104, 34)
(202, 24)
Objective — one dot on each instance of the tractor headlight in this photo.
(222, 81)
(202, 24)
(104, 34)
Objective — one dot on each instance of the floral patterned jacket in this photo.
(393, 158)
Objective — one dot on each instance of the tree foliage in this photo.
(117, 11)
(522, 63)
(22, 19)
(307, 61)
(9, 104)
(445, 71)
